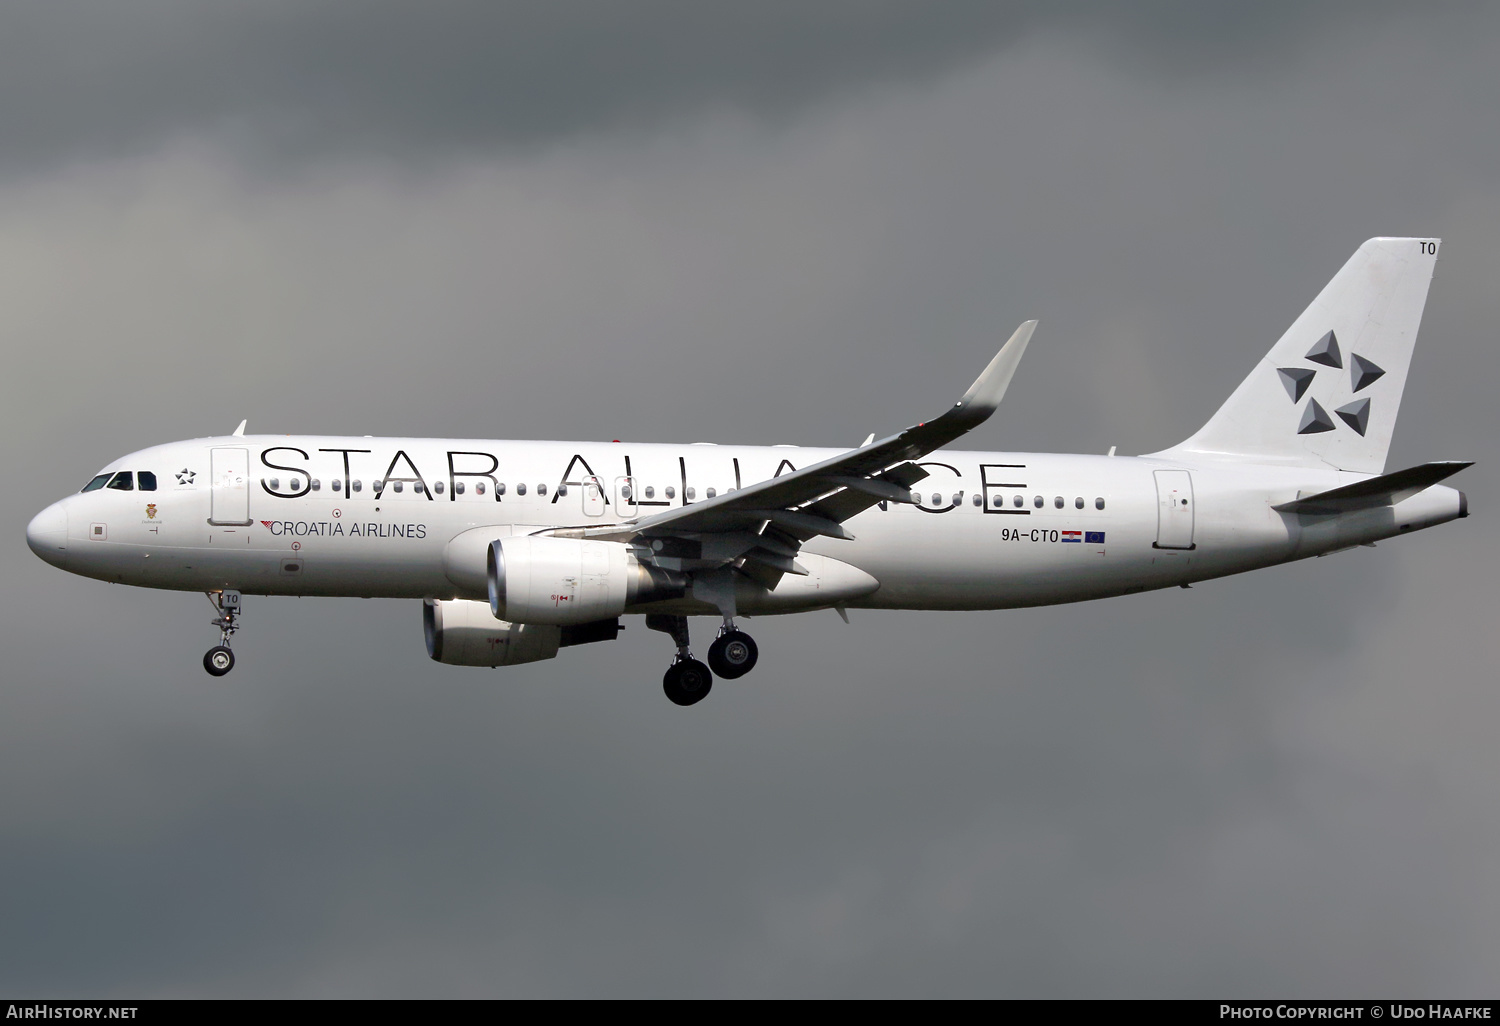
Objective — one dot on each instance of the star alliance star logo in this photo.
(1363, 373)
(185, 476)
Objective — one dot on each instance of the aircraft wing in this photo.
(766, 522)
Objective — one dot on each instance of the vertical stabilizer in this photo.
(1326, 395)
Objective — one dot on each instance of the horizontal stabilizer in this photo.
(1385, 490)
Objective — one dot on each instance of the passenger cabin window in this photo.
(499, 488)
(711, 493)
(541, 489)
(1058, 502)
(458, 487)
(520, 488)
(437, 486)
(650, 492)
(122, 481)
(355, 484)
(397, 486)
(958, 497)
(335, 484)
(1020, 501)
(1078, 502)
(315, 485)
(96, 483)
(562, 491)
(690, 492)
(1038, 502)
(1099, 502)
(671, 492)
(146, 480)
(479, 488)
(978, 499)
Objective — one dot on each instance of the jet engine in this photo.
(464, 633)
(566, 581)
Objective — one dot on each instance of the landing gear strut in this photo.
(219, 660)
(687, 680)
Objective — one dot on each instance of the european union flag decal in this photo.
(1094, 537)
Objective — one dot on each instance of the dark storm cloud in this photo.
(291, 81)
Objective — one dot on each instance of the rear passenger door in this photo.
(1174, 509)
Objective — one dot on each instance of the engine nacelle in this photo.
(567, 581)
(556, 580)
(464, 633)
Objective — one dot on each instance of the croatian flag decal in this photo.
(1072, 536)
(1095, 538)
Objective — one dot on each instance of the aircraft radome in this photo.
(517, 549)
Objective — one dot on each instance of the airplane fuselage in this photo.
(410, 518)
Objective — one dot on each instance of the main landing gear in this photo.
(733, 653)
(219, 660)
(688, 681)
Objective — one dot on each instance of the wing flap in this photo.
(785, 564)
(842, 505)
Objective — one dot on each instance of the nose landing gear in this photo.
(219, 660)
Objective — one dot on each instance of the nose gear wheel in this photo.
(219, 660)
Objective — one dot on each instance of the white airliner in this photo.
(517, 549)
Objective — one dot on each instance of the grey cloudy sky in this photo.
(759, 223)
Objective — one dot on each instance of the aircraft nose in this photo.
(47, 534)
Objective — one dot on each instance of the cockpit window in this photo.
(123, 481)
(96, 483)
(146, 480)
